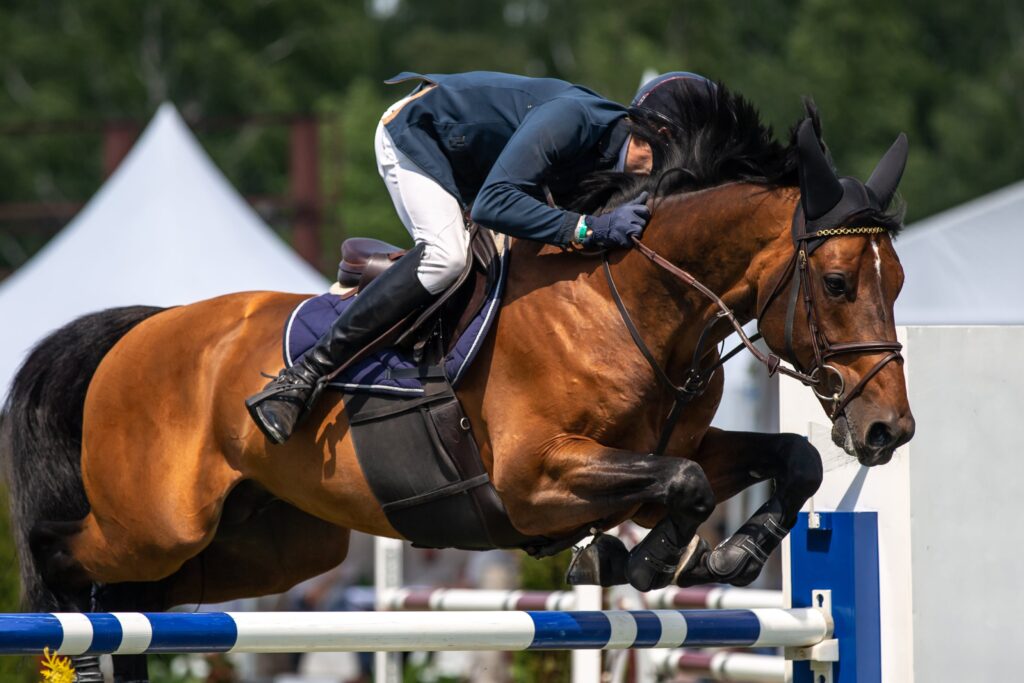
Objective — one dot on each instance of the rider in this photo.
(495, 142)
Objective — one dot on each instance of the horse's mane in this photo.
(718, 138)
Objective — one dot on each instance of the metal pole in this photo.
(387, 576)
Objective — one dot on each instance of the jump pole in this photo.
(266, 632)
(470, 599)
(721, 665)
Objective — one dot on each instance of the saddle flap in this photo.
(459, 305)
(393, 364)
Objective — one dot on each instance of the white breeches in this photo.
(431, 215)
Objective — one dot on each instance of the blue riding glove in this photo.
(615, 228)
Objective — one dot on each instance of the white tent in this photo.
(167, 228)
(963, 266)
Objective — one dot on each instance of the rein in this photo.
(796, 272)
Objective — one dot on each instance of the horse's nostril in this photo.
(879, 435)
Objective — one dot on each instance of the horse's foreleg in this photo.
(582, 482)
(735, 460)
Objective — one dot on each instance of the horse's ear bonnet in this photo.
(829, 201)
(886, 177)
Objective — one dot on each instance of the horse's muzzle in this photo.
(874, 440)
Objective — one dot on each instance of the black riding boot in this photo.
(395, 293)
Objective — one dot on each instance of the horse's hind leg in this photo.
(257, 551)
(121, 597)
(734, 461)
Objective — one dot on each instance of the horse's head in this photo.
(830, 310)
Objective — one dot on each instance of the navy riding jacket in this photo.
(495, 140)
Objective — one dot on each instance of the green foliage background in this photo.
(949, 74)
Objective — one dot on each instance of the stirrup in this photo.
(275, 392)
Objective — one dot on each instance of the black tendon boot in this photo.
(394, 294)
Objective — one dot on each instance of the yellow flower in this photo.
(56, 669)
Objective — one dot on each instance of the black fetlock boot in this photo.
(738, 560)
(393, 295)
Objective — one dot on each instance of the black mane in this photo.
(719, 138)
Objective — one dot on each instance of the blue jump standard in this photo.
(134, 633)
(840, 554)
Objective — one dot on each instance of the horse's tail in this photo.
(41, 436)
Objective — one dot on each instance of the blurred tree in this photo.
(950, 76)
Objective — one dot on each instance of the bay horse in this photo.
(138, 481)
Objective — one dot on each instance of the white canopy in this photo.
(963, 266)
(167, 228)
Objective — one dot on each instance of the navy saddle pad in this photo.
(314, 316)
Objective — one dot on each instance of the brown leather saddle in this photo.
(363, 259)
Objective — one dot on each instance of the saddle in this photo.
(363, 259)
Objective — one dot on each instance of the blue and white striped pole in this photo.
(135, 633)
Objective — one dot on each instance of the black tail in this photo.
(41, 436)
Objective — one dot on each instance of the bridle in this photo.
(797, 273)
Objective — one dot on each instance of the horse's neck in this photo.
(733, 238)
(728, 237)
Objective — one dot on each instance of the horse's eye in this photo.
(835, 284)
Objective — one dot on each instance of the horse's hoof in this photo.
(693, 570)
(602, 563)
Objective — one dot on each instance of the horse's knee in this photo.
(803, 469)
(690, 490)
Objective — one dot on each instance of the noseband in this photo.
(795, 272)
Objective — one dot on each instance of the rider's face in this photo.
(639, 158)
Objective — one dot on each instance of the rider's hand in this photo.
(614, 229)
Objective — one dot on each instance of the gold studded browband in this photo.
(840, 231)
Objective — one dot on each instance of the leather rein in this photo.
(797, 272)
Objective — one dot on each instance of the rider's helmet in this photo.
(654, 93)
(663, 96)
(663, 104)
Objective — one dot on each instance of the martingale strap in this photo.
(681, 394)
